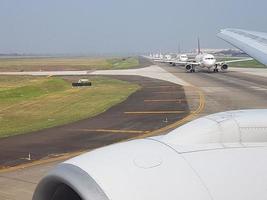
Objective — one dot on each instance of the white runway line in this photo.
(46, 73)
(153, 71)
(258, 88)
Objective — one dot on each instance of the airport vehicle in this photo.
(208, 61)
(82, 82)
(216, 157)
(251, 42)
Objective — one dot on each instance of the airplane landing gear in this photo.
(216, 69)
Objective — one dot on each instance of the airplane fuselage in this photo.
(206, 60)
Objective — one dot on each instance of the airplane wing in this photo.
(164, 61)
(187, 63)
(251, 42)
(233, 61)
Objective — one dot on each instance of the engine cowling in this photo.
(206, 159)
(224, 67)
(188, 67)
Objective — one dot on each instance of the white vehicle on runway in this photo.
(208, 61)
(217, 157)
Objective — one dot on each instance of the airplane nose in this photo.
(211, 63)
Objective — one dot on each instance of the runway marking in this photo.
(42, 161)
(189, 117)
(66, 156)
(164, 100)
(156, 112)
(174, 92)
(168, 92)
(162, 86)
(258, 88)
(114, 130)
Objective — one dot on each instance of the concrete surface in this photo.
(236, 89)
(140, 114)
(150, 72)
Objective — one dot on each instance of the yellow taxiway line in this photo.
(66, 156)
(164, 100)
(60, 157)
(163, 86)
(114, 131)
(189, 117)
(166, 92)
(155, 112)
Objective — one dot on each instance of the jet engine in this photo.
(216, 157)
(188, 67)
(224, 67)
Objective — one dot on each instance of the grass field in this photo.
(30, 103)
(56, 63)
(245, 64)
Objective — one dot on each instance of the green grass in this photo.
(125, 63)
(244, 64)
(39, 103)
(57, 63)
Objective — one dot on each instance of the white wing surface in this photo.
(251, 42)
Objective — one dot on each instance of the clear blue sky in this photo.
(122, 26)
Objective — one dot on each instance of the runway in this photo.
(229, 90)
(235, 89)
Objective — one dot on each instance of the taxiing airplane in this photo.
(208, 61)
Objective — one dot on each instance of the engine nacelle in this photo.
(188, 67)
(224, 67)
(220, 156)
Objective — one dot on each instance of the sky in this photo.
(122, 26)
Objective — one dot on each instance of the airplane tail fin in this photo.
(198, 46)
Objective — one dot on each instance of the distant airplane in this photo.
(208, 61)
(155, 56)
(168, 58)
(251, 42)
(176, 60)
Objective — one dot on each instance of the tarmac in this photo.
(201, 94)
(143, 112)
